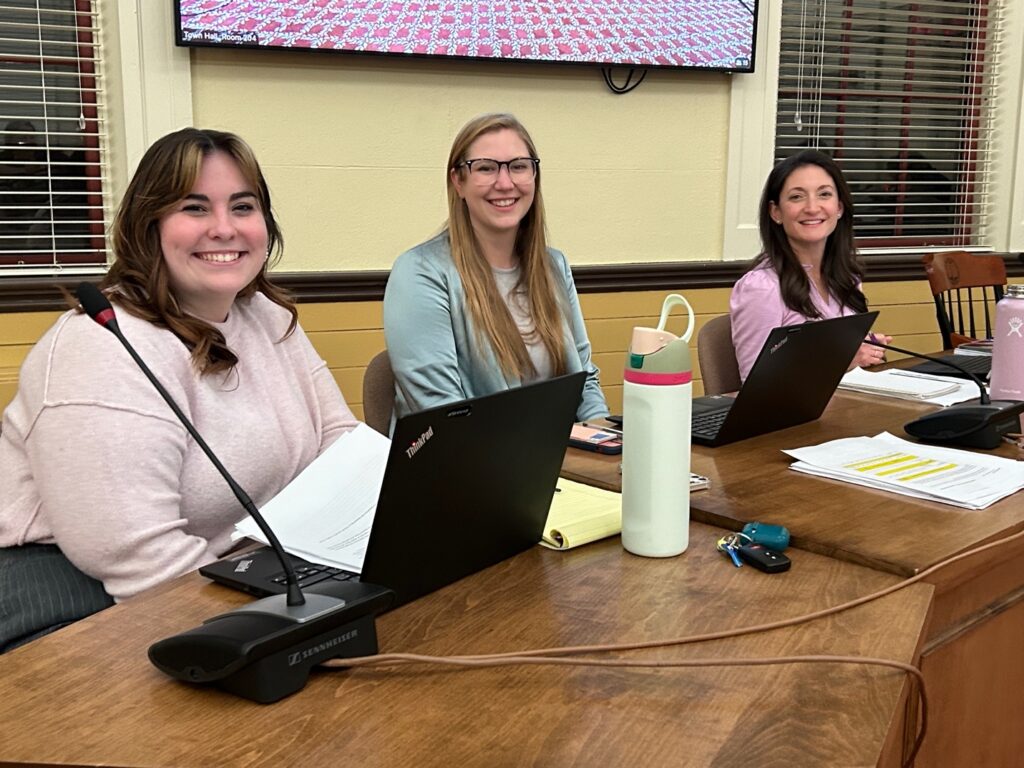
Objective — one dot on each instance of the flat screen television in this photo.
(686, 34)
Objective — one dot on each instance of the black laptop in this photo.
(979, 365)
(466, 486)
(791, 382)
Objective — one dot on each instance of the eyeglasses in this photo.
(485, 170)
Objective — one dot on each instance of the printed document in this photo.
(324, 515)
(946, 475)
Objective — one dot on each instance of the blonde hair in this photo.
(139, 276)
(487, 308)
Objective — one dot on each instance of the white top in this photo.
(93, 460)
(518, 303)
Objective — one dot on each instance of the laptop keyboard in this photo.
(311, 573)
(707, 424)
(980, 365)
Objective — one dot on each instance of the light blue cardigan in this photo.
(435, 353)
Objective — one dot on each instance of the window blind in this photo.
(903, 95)
(52, 155)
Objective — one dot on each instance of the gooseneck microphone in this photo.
(980, 425)
(264, 650)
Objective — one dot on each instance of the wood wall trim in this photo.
(35, 294)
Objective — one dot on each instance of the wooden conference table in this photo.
(87, 694)
(973, 653)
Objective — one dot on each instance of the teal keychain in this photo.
(772, 536)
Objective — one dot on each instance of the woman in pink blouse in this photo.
(808, 269)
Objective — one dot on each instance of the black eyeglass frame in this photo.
(507, 163)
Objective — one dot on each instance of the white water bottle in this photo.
(1006, 381)
(656, 411)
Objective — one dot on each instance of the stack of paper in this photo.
(946, 475)
(911, 385)
(897, 383)
(324, 515)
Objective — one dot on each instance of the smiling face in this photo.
(808, 209)
(496, 205)
(214, 241)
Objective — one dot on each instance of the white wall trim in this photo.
(752, 103)
(156, 77)
(1009, 195)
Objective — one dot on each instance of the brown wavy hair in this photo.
(840, 269)
(490, 314)
(138, 279)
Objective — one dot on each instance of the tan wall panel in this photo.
(349, 316)
(348, 349)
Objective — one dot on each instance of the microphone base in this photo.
(969, 426)
(264, 651)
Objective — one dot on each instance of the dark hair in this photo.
(840, 270)
(138, 277)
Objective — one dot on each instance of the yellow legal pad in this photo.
(581, 514)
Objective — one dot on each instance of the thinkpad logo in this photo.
(419, 442)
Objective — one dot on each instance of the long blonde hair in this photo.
(487, 308)
(139, 275)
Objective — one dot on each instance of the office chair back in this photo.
(717, 357)
(379, 393)
(965, 286)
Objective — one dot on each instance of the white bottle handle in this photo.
(672, 300)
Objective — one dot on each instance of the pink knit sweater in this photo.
(93, 460)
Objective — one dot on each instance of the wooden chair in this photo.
(717, 357)
(964, 285)
(379, 393)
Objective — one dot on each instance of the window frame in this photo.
(148, 94)
(751, 145)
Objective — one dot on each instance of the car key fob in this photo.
(762, 558)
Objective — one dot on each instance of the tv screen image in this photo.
(693, 34)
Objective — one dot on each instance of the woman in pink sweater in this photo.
(808, 269)
(96, 468)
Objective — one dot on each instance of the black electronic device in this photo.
(262, 651)
(467, 485)
(971, 425)
(962, 366)
(688, 35)
(810, 356)
(762, 558)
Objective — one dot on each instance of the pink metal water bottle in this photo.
(1007, 379)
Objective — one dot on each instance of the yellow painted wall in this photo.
(347, 335)
(354, 149)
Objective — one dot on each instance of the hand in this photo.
(868, 354)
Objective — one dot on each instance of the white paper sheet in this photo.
(324, 515)
(950, 476)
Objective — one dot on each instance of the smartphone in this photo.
(595, 439)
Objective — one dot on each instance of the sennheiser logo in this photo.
(326, 645)
(778, 346)
(419, 442)
(1015, 325)
(242, 566)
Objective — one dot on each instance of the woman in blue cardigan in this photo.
(485, 305)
